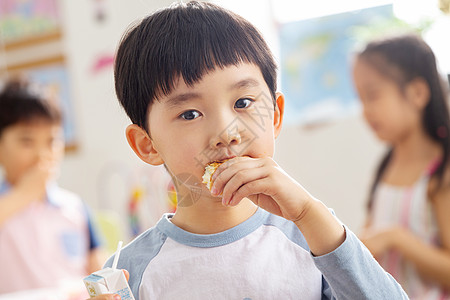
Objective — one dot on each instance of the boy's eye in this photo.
(190, 115)
(243, 103)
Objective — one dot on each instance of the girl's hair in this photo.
(403, 59)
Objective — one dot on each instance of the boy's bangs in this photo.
(204, 44)
(199, 63)
(185, 41)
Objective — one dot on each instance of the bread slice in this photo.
(209, 171)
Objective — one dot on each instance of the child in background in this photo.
(46, 234)
(199, 84)
(405, 103)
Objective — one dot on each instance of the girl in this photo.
(405, 103)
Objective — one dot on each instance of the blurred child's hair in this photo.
(403, 59)
(19, 104)
(183, 42)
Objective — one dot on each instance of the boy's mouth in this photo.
(210, 168)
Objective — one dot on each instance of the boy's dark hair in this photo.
(403, 59)
(19, 105)
(185, 40)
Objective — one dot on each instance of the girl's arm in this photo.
(431, 261)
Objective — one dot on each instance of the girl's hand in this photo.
(263, 182)
(380, 241)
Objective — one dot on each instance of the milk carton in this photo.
(109, 280)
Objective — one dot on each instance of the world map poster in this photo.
(315, 59)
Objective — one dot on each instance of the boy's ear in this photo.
(142, 145)
(278, 114)
(419, 92)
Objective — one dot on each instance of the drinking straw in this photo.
(116, 256)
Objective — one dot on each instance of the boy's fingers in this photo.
(226, 165)
(253, 188)
(222, 178)
(240, 180)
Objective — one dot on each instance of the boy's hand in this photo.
(262, 181)
(32, 185)
(111, 296)
(268, 186)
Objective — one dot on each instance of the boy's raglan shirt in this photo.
(265, 257)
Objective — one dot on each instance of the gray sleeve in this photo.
(351, 272)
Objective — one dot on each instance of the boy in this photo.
(199, 84)
(45, 232)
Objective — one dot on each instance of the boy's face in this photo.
(23, 145)
(228, 113)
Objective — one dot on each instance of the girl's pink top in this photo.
(410, 208)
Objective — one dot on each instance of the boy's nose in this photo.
(226, 139)
(228, 135)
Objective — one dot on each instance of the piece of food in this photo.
(209, 171)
